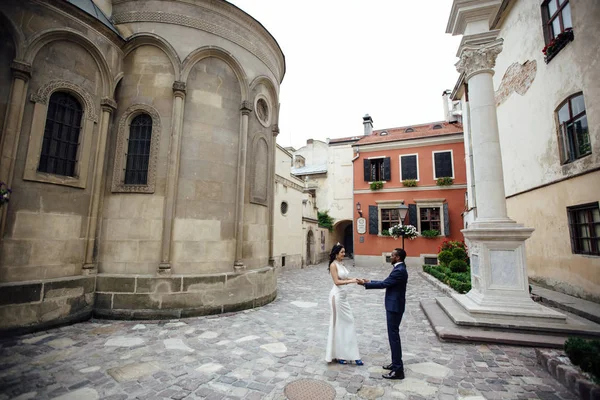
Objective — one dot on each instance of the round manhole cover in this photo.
(309, 389)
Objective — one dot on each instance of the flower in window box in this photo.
(376, 185)
(4, 193)
(557, 44)
(444, 181)
(408, 231)
(430, 233)
(409, 182)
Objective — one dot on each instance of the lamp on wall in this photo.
(403, 210)
(359, 209)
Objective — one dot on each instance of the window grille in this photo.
(61, 135)
(138, 150)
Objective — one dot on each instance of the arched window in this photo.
(61, 135)
(409, 130)
(138, 150)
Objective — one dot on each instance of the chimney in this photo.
(309, 141)
(299, 161)
(368, 124)
(446, 100)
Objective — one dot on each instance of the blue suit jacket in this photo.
(395, 288)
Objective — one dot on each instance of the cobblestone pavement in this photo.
(254, 354)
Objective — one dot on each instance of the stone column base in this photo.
(500, 286)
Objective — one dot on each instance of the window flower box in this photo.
(556, 44)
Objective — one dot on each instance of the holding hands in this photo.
(362, 281)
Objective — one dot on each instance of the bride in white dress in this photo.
(341, 343)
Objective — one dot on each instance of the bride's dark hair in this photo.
(334, 252)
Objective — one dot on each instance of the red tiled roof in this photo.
(420, 131)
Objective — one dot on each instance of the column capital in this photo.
(246, 107)
(108, 104)
(477, 59)
(179, 89)
(21, 70)
(275, 130)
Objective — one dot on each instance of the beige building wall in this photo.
(549, 256)
(538, 187)
(288, 234)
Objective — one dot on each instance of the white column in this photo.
(499, 279)
(164, 268)
(245, 109)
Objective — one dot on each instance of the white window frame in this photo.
(433, 153)
(375, 158)
(400, 166)
(431, 203)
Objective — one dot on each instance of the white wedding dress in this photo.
(341, 343)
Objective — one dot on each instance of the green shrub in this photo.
(430, 233)
(460, 287)
(409, 182)
(445, 181)
(376, 185)
(460, 276)
(452, 244)
(585, 354)
(458, 266)
(385, 232)
(459, 254)
(445, 257)
(325, 220)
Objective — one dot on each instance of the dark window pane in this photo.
(138, 150)
(443, 164)
(409, 167)
(61, 135)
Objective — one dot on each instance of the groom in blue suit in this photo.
(395, 301)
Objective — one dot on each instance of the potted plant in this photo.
(407, 231)
(5, 193)
(556, 44)
(409, 182)
(430, 233)
(376, 185)
(444, 181)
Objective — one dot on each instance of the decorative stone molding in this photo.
(21, 70)
(108, 104)
(179, 88)
(246, 107)
(275, 130)
(118, 184)
(287, 182)
(253, 46)
(474, 60)
(44, 92)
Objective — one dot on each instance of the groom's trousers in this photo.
(393, 328)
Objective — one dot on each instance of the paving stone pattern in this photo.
(254, 354)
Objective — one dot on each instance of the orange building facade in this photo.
(422, 153)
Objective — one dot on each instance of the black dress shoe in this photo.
(388, 367)
(399, 374)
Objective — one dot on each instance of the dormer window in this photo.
(384, 133)
(437, 126)
(409, 130)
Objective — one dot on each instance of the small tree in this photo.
(325, 221)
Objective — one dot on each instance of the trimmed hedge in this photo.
(445, 257)
(458, 266)
(461, 282)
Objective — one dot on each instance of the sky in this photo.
(345, 58)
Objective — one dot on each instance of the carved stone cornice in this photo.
(253, 36)
(108, 104)
(246, 107)
(44, 92)
(179, 88)
(289, 183)
(478, 59)
(21, 70)
(275, 130)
